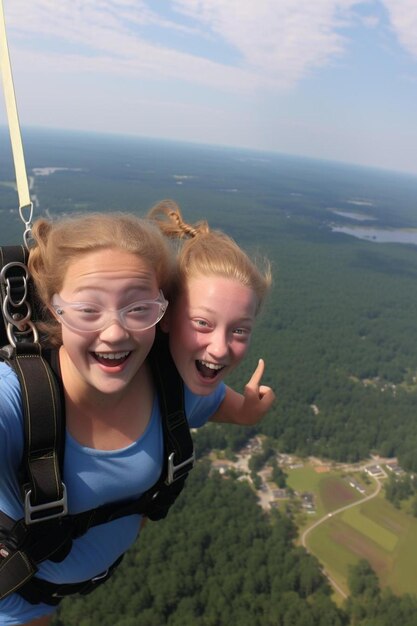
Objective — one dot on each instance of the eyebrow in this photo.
(141, 288)
(207, 309)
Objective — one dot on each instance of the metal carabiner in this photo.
(22, 323)
(6, 268)
(27, 222)
(13, 340)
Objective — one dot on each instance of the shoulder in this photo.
(9, 384)
(10, 398)
(199, 409)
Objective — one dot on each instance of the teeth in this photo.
(112, 355)
(212, 366)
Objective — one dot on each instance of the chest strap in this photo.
(39, 590)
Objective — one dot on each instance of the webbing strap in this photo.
(15, 571)
(12, 254)
(51, 593)
(13, 119)
(170, 390)
(43, 411)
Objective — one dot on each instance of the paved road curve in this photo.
(330, 515)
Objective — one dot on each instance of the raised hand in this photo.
(249, 408)
(257, 398)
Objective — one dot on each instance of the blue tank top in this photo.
(92, 477)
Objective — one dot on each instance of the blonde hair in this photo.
(58, 243)
(206, 252)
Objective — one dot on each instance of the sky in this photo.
(328, 79)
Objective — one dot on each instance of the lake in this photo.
(379, 235)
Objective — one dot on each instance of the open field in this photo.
(336, 492)
(374, 530)
(330, 490)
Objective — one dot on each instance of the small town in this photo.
(270, 495)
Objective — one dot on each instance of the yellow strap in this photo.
(13, 119)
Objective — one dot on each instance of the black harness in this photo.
(47, 529)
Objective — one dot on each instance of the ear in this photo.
(53, 313)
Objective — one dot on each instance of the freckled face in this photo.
(106, 361)
(210, 327)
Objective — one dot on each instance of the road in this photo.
(329, 516)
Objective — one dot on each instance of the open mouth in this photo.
(208, 370)
(111, 359)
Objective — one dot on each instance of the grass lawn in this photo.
(305, 479)
(375, 530)
(335, 556)
(330, 490)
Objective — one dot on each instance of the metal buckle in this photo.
(99, 577)
(172, 468)
(30, 509)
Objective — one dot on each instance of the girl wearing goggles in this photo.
(102, 279)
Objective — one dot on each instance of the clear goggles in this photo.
(87, 317)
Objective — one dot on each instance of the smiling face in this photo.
(210, 326)
(106, 361)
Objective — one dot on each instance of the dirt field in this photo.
(335, 493)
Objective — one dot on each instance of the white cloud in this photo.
(281, 41)
(403, 16)
(98, 36)
(216, 71)
(276, 43)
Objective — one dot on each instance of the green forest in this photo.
(218, 560)
(344, 341)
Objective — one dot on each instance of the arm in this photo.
(247, 409)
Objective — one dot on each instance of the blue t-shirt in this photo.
(92, 477)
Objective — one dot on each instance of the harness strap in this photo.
(50, 593)
(44, 491)
(22, 547)
(15, 571)
(170, 390)
(48, 540)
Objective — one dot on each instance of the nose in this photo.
(114, 331)
(219, 344)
